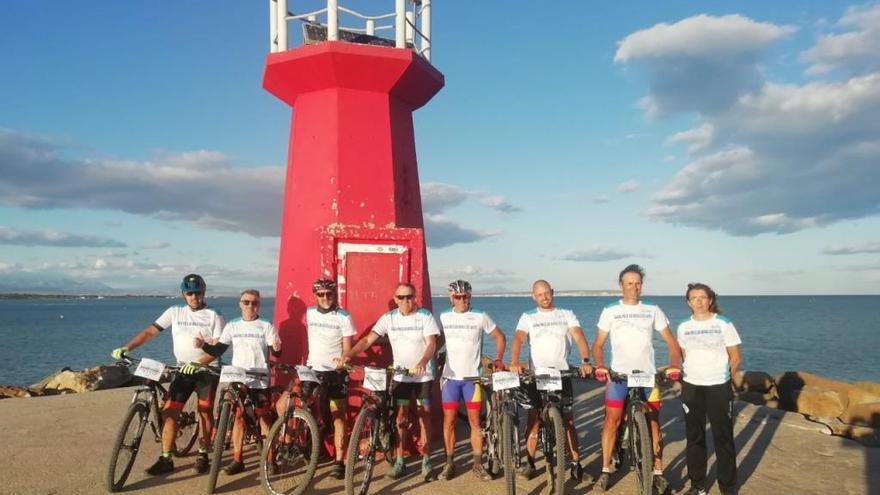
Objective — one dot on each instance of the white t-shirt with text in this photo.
(250, 341)
(464, 341)
(705, 345)
(407, 337)
(630, 328)
(186, 324)
(549, 338)
(325, 331)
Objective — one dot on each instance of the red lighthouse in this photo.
(352, 207)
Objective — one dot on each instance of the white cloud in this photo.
(53, 238)
(441, 232)
(438, 197)
(701, 63)
(628, 187)
(596, 253)
(696, 139)
(854, 50)
(498, 203)
(863, 248)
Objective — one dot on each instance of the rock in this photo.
(10, 392)
(790, 382)
(753, 381)
(869, 437)
(89, 379)
(864, 393)
(756, 398)
(870, 387)
(862, 415)
(813, 400)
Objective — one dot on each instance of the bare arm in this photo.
(430, 348)
(142, 337)
(733, 355)
(518, 339)
(500, 343)
(674, 350)
(598, 354)
(360, 346)
(580, 340)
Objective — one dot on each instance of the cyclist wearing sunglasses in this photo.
(195, 319)
(330, 330)
(412, 332)
(251, 338)
(463, 330)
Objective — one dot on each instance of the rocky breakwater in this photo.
(849, 410)
(66, 381)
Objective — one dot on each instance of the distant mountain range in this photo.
(50, 284)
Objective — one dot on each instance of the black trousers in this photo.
(716, 402)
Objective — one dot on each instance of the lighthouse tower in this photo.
(352, 208)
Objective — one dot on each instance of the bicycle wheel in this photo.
(362, 447)
(494, 449)
(187, 428)
(641, 452)
(509, 451)
(219, 444)
(555, 451)
(290, 453)
(126, 445)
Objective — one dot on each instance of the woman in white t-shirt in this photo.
(710, 347)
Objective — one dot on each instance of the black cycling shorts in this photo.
(182, 386)
(534, 396)
(403, 392)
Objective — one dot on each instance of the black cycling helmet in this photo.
(323, 284)
(460, 287)
(193, 283)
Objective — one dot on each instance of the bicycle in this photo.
(551, 430)
(633, 442)
(490, 424)
(146, 408)
(374, 430)
(291, 450)
(234, 401)
(504, 416)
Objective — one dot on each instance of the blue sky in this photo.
(731, 143)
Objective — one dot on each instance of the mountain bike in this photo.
(504, 419)
(551, 430)
(374, 430)
(146, 408)
(290, 455)
(490, 424)
(633, 443)
(236, 400)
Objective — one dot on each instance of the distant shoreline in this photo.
(563, 293)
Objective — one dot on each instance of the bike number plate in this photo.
(375, 379)
(306, 374)
(551, 379)
(229, 374)
(150, 369)
(643, 380)
(504, 380)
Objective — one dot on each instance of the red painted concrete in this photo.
(351, 170)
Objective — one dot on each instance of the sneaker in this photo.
(576, 471)
(426, 466)
(526, 471)
(338, 471)
(201, 466)
(695, 490)
(398, 470)
(480, 473)
(602, 482)
(660, 484)
(234, 468)
(163, 465)
(448, 471)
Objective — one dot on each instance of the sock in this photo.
(399, 460)
(166, 455)
(658, 472)
(203, 451)
(478, 460)
(449, 458)
(606, 470)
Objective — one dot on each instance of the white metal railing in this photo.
(411, 22)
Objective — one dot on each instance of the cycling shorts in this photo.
(402, 392)
(534, 395)
(455, 391)
(335, 388)
(262, 400)
(616, 393)
(182, 386)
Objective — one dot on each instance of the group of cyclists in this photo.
(707, 342)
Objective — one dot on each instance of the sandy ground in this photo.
(60, 445)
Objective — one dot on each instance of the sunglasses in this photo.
(401, 297)
(249, 302)
(324, 294)
(192, 293)
(461, 296)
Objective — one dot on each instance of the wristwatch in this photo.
(585, 360)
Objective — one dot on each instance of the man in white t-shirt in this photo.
(251, 338)
(195, 319)
(412, 332)
(330, 331)
(463, 330)
(631, 323)
(550, 331)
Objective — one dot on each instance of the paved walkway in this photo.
(59, 445)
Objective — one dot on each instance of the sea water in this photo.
(834, 336)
